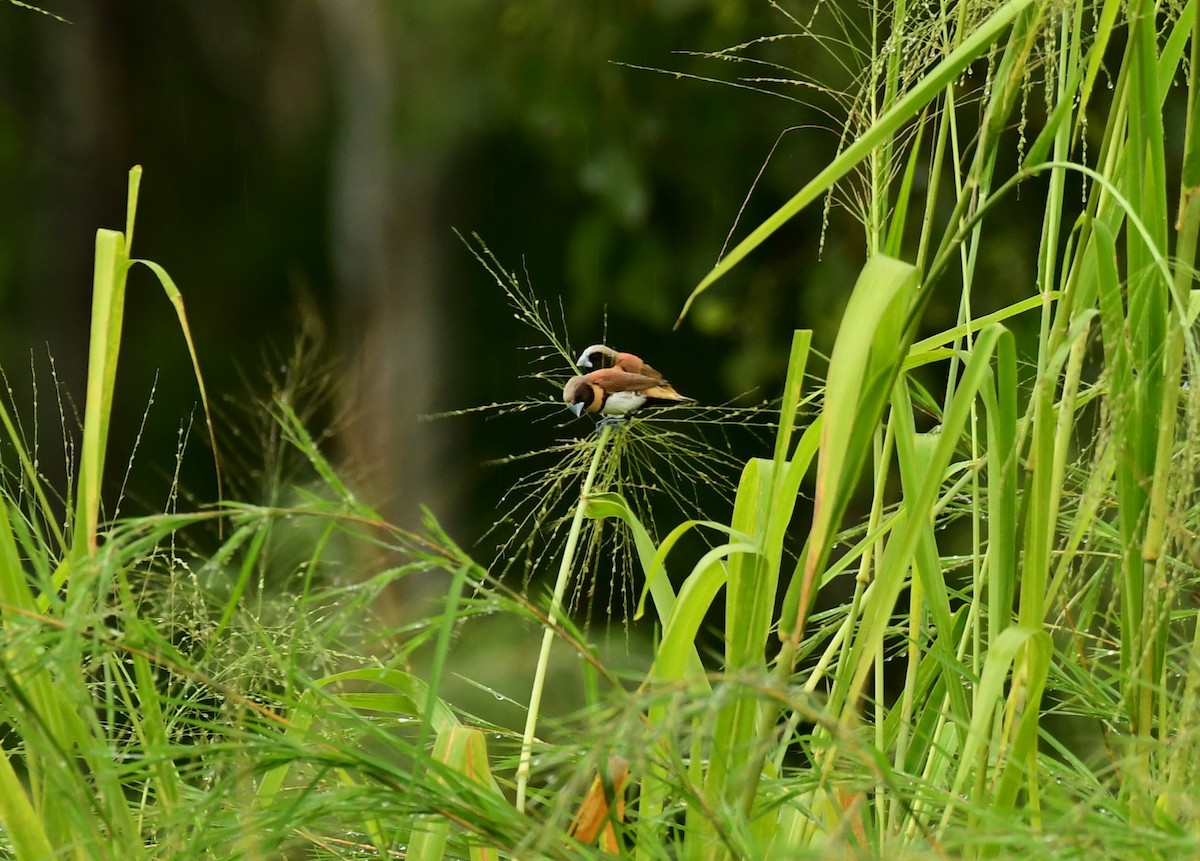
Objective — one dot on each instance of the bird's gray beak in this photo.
(583, 362)
(577, 409)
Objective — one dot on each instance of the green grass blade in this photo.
(918, 508)
(1003, 655)
(864, 361)
(176, 298)
(108, 308)
(900, 114)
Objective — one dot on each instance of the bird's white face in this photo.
(597, 356)
(622, 403)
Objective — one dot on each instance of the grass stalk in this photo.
(560, 588)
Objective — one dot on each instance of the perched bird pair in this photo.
(616, 384)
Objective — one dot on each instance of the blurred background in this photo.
(308, 163)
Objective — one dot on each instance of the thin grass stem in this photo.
(560, 588)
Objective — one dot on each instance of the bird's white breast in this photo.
(622, 403)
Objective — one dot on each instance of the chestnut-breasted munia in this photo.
(616, 393)
(600, 356)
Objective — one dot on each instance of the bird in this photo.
(600, 356)
(614, 393)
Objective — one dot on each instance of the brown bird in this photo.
(615, 393)
(599, 356)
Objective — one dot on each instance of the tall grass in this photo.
(1073, 579)
(1011, 669)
